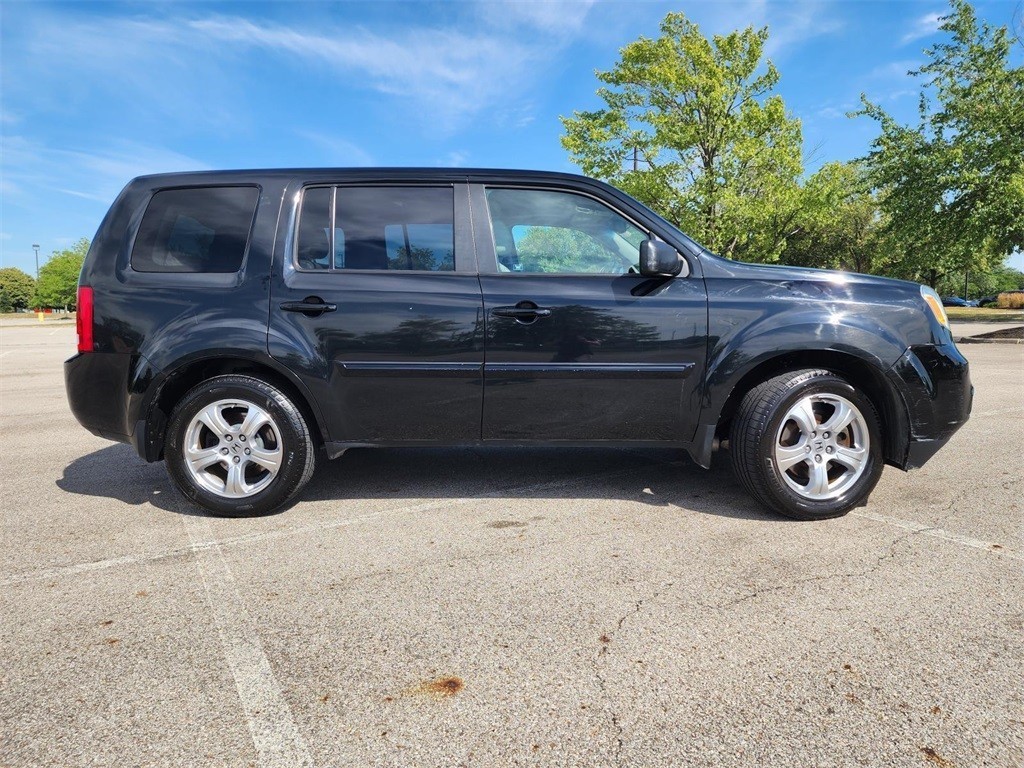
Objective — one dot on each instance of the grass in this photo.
(984, 315)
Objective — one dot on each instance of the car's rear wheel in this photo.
(239, 446)
(807, 444)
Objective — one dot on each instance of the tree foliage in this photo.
(718, 155)
(952, 187)
(58, 277)
(839, 223)
(16, 289)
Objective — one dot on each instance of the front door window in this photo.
(551, 232)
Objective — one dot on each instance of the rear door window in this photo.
(198, 229)
(377, 228)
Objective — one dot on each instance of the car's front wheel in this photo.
(238, 446)
(807, 444)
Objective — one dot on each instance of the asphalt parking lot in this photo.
(497, 608)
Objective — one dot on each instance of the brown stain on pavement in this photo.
(442, 688)
(934, 757)
(506, 524)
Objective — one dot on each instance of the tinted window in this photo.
(201, 229)
(385, 228)
(313, 249)
(543, 231)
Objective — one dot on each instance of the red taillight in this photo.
(84, 318)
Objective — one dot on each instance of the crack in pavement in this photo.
(602, 684)
(882, 559)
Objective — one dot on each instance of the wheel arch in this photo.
(861, 374)
(151, 426)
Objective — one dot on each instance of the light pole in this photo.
(36, 246)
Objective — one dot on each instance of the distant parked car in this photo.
(954, 301)
(986, 301)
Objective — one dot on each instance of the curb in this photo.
(977, 340)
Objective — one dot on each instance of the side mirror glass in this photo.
(659, 259)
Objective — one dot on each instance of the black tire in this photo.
(760, 430)
(286, 438)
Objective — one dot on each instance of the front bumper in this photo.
(934, 382)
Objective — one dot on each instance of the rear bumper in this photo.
(97, 386)
(935, 384)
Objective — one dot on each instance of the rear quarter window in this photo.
(197, 229)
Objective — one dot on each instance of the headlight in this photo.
(931, 298)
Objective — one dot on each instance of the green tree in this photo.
(839, 223)
(16, 289)
(953, 185)
(716, 153)
(58, 277)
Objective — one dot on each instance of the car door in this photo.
(376, 307)
(579, 346)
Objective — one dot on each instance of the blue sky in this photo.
(96, 93)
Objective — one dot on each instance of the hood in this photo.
(718, 267)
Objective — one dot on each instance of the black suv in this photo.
(238, 323)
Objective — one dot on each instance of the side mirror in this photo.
(659, 259)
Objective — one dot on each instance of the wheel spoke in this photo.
(803, 414)
(235, 484)
(853, 458)
(201, 458)
(839, 420)
(214, 420)
(818, 484)
(268, 459)
(254, 421)
(790, 456)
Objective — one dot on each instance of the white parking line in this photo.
(939, 533)
(275, 735)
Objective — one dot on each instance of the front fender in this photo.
(733, 356)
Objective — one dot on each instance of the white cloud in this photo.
(894, 70)
(831, 113)
(335, 150)
(454, 159)
(448, 73)
(33, 169)
(451, 74)
(551, 17)
(153, 63)
(791, 24)
(900, 93)
(922, 27)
